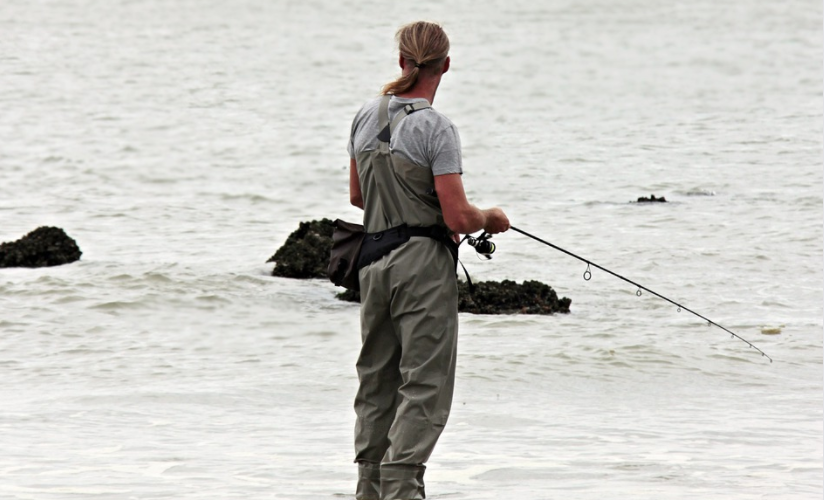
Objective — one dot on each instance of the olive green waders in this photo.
(409, 327)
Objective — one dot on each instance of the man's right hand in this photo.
(496, 221)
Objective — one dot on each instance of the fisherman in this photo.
(405, 173)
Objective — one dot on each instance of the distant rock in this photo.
(305, 255)
(652, 199)
(43, 247)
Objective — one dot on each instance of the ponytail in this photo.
(424, 46)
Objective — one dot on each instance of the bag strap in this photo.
(468, 279)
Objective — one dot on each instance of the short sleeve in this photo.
(445, 153)
(350, 146)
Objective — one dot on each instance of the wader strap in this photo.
(383, 124)
(387, 128)
(407, 110)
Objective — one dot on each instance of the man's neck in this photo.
(424, 89)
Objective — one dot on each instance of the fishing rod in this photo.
(485, 247)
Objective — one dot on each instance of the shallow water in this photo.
(180, 143)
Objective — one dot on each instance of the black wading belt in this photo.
(378, 245)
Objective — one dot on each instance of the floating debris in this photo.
(700, 192)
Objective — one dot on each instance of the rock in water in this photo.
(506, 297)
(652, 199)
(43, 247)
(306, 251)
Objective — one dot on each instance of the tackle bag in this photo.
(354, 249)
(347, 240)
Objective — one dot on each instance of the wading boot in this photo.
(369, 481)
(402, 482)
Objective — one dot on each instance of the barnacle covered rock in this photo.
(43, 247)
(305, 254)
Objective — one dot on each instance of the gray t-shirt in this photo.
(426, 137)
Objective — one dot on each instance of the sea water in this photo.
(180, 142)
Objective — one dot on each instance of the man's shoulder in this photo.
(369, 106)
(429, 115)
(430, 118)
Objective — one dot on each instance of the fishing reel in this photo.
(481, 244)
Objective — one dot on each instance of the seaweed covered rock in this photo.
(43, 247)
(349, 296)
(306, 251)
(506, 297)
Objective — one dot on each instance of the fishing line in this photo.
(588, 276)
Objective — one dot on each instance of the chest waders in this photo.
(409, 326)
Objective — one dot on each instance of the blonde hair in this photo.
(425, 46)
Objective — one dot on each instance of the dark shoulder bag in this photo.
(343, 259)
